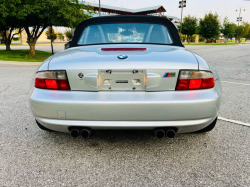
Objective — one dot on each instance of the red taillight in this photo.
(63, 84)
(51, 84)
(207, 83)
(182, 84)
(194, 84)
(40, 83)
(123, 49)
(54, 80)
(195, 80)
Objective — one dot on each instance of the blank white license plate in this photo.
(126, 80)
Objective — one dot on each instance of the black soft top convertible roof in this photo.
(128, 19)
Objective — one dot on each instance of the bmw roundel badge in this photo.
(122, 57)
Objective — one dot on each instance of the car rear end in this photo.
(124, 97)
(125, 86)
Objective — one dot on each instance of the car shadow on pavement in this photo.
(135, 138)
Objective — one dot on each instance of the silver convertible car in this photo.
(126, 72)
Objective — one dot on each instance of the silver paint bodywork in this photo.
(152, 103)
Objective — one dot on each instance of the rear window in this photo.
(125, 33)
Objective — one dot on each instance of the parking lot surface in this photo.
(32, 157)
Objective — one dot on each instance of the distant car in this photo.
(1, 40)
(67, 45)
(211, 41)
(15, 38)
(154, 85)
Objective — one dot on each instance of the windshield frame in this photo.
(173, 33)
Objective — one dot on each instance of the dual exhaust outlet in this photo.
(160, 133)
(85, 133)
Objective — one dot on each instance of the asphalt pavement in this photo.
(32, 157)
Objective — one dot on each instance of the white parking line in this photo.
(236, 83)
(234, 121)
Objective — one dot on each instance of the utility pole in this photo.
(239, 19)
(99, 8)
(182, 4)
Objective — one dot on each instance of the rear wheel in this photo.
(209, 127)
(42, 127)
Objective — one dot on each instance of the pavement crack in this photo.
(5, 89)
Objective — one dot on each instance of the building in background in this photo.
(112, 10)
(107, 10)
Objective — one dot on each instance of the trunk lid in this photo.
(155, 69)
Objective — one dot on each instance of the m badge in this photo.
(167, 75)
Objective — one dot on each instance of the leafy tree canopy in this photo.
(50, 32)
(36, 15)
(210, 26)
(228, 28)
(68, 13)
(9, 16)
(68, 34)
(189, 26)
(242, 31)
(60, 36)
(247, 29)
(42, 13)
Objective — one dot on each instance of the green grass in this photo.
(23, 55)
(10, 44)
(203, 43)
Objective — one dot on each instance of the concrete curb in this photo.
(20, 63)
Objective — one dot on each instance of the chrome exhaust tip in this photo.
(85, 133)
(170, 133)
(159, 133)
(74, 133)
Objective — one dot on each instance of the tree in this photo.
(247, 29)
(68, 34)
(228, 29)
(48, 34)
(39, 14)
(60, 36)
(248, 34)
(240, 30)
(189, 26)
(9, 20)
(210, 26)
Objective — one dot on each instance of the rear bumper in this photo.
(190, 110)
(182, 126)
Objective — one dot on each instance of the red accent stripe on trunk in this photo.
(123, 49)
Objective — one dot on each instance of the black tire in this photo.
(43, 128)
(209, 127)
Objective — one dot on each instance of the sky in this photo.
(196, 8)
